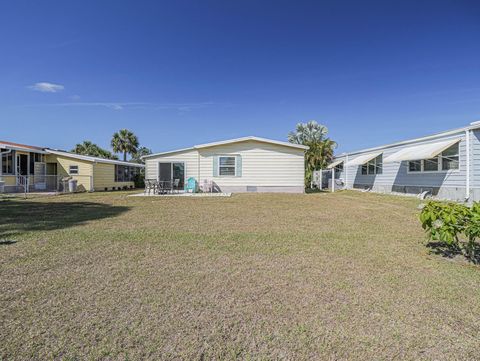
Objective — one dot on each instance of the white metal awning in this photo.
(424, 151)
(363, 159)
(334, 164)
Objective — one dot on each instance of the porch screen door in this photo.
(40, 179)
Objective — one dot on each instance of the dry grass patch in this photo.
(330, 276)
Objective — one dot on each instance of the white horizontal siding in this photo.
(396, 173)
(262, 165)
(190, 158)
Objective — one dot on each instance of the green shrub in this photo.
(139, 179)
(455, 225)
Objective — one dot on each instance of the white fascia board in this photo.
(168, 152)
(92, 159)
(258, 139)
(22, 149)
(472, 126)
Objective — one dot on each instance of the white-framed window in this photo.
(447, 160)
(415, 166)
(374, 166)
(124, 173)
(430, 165)
(338, 169)
(450, 158)
(7, 162)
(73, 169)
(227, 166)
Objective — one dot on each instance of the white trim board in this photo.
(92, 159)
(229, 141)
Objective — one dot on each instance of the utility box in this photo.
(72, 185)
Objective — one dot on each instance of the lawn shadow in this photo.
(447, 251)
(6, 242)
(316, 190)
(17, 217)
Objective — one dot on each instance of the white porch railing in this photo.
(42, 183)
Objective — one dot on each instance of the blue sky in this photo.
(179, 73)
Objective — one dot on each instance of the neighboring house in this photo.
(249, 164)
(446, 164)
(45, 169)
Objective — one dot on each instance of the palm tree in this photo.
(321, 148)
(124, 141)
(91, 149)
(85, 148)
(103, 153)
(308, 133)
(141, 151)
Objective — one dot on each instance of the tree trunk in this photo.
(124, 156)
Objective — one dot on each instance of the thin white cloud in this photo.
(183, 107)
(46, 87)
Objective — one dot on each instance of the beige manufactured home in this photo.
(30, 168)
(249, 164)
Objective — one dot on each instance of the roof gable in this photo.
(231, 141)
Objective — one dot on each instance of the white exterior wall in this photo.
(395, 177)
(265, 167)
(269, 167)
(189, 157)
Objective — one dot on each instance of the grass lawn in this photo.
(317, 276)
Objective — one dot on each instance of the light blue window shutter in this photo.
(215, 165)
(238, 170)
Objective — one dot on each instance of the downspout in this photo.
(467, 181)
(346, 171)
(333, 179)
(92, 189)
(198, 166)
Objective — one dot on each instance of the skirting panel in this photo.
(261, 189)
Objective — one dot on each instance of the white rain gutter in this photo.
(473, 125)
(467, 182)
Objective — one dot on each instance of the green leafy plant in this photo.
(139, 179)
(320, 148)
(455, 225)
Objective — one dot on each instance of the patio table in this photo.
(164, 187)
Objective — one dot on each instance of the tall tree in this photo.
(85, 148)
(91, 149)
(124, 141)
(141, 151)
(321, 148)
